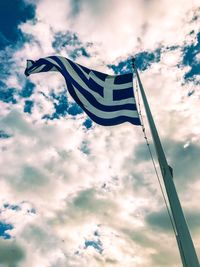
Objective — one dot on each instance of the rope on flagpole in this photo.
(152, 159)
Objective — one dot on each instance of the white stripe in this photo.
(53, 61)
(37, 69)
(29, 64)
(108, 92)
(53, 69)
(104, 114)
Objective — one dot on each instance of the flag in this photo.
(106, 99)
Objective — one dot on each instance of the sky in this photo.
(77, 194)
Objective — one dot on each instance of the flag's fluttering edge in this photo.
(107, 100)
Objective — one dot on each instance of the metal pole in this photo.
(184, 240)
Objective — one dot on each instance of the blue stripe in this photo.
(47, 68)
(74, 64)
(100, 75)
(95, 87)
(104, 122)
(115, 121)
(120, 94)
(89, 96)
(125, 78)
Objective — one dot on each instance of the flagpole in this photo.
(184, 240)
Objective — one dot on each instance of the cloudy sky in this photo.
(76, 194)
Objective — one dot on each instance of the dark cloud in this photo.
(141, 153)
(4, 135)
(36, 234)
(14, 122)
(88, 201)
(85, 147)
(165, 258)
(12, 13)
(11, 254)
(183, 159)
(96, 7)
(160, 220)
(112, 262)
(28, 179)
(140, 237)
(75, 7)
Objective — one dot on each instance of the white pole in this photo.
(184, 240)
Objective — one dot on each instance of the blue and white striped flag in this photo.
(107, 100)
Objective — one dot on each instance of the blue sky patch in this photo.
(63, 107)
(190, 53)
(62, 40)
(76, 53)
(87, 123)
(6, 64)
(28, 89)
(145, 59)
(28, 105)
(74, 109)
(3, 228)
(7, 95)
(60, 104)
(95, 244)
(12, 13)
(12, 207)
(4, 135)
(143, 62)
(71, 43)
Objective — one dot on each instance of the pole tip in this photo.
(133, 62)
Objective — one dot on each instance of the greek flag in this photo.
(107, 100)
